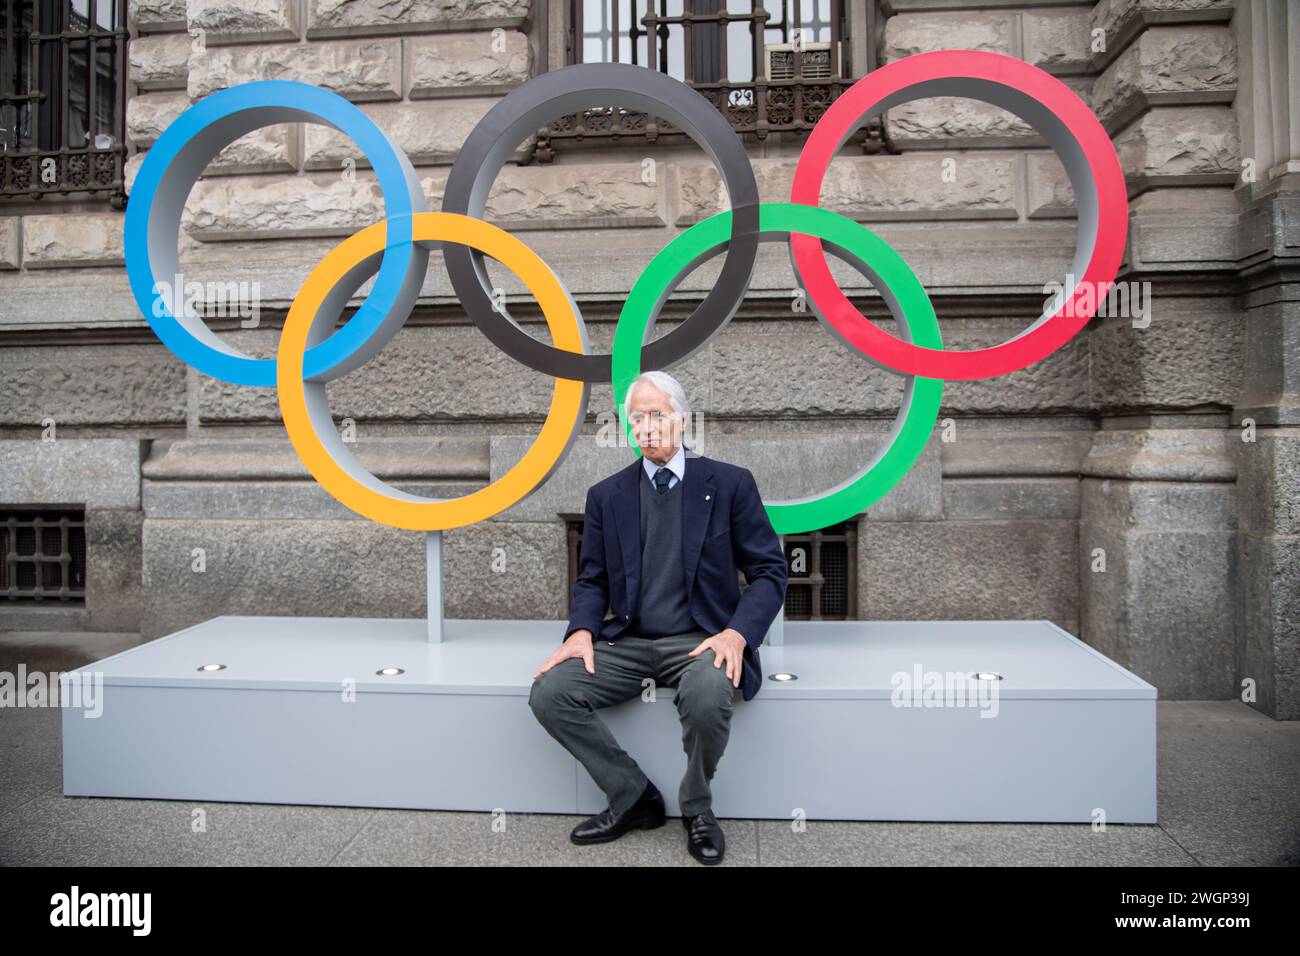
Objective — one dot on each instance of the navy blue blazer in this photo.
(724, 527)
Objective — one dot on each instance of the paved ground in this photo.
(1229, 794)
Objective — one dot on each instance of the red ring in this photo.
(847, 113)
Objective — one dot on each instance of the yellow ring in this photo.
(398, 510)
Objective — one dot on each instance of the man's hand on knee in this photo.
(728, 648)
(578, 644)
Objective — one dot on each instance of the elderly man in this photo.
(662, 539)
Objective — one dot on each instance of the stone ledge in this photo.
(991, 454)
(1161, 454)
(1002, 499)
(390, 459)
(242, 497)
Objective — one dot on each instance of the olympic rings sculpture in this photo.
(395, 252)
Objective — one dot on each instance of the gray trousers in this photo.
(565, 700)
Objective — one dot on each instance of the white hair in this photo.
(666, 384)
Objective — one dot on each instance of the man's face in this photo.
(655, 425)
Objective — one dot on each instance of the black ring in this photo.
(569, 90)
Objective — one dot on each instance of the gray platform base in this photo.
(300, 716)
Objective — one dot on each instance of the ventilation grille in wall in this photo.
(43, 555)
(815, 60)
(823, 565)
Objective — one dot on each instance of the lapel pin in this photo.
(706, 497)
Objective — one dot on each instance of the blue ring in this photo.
(172, 166)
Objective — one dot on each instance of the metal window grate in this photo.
(765, 71)
(62, 98)
(43, 555)
(823, 583)
(573, 531)
(573, 547)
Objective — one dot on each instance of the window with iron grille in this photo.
(767, 65)
(43, 555)
(823, 568)
(62, 99)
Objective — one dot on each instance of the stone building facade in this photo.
(1138, 487)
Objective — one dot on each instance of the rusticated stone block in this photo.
(338, 204)
(1058, 41)
(1049, 193)
(244, 21)
(466, 64)
(1167, 65)
(92, 385)
(1175, 361)
(1155, 575)
(1268, 470)
(428, 131)
(1181, 144)
(952, 122)
(1268, 616)
(157, 16)
(1121, 20)
(290, 568)
(907, 34)
(870, 188)
(265, 149)
(239, 207)
(96, 472)
(160, 61)
(447, 373)
(358, 69)
(147, 115)
(270, 148)
(516, 569)
(114, 560)
(11, 242)
(359, 17)
(969, 570)
(88, 239)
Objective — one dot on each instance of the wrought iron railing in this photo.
(778, 74)
(62, 99)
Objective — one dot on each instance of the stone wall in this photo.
(1106, 488)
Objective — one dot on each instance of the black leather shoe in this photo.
(704, 837)
(647, 813)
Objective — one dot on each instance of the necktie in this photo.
(661, 479)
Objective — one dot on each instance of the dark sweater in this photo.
(662, 608)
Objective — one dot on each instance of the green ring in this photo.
(898, 285)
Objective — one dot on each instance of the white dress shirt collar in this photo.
(676, 464)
